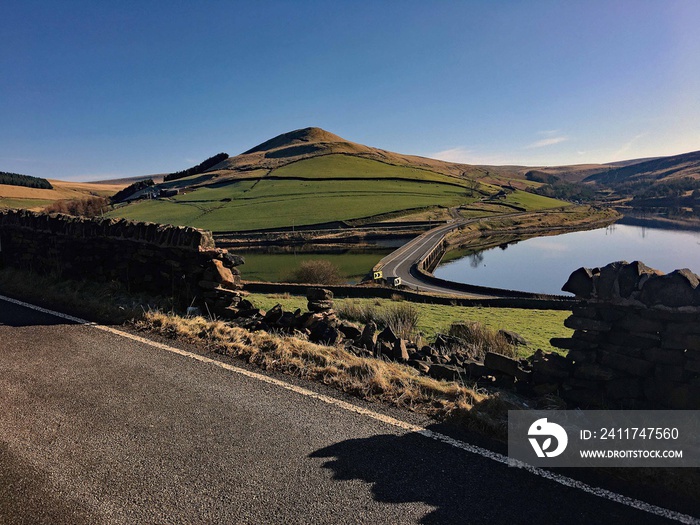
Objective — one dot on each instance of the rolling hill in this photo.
(311, 176)
(654, 170)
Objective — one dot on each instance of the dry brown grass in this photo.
(480, 339)
(61, 190)
(367, 378)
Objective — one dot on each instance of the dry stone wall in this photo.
(174, 261)
(636, 340)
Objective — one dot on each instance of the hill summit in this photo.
(311, 142)
(296, 137)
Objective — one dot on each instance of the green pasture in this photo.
(533, 202)
(278, 267)
(8, 202)
(250, 205)
(536, 326)
(346, 166)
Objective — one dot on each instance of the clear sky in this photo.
(96, 89)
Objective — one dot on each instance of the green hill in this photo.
(311, 176)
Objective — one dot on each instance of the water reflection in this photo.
(543, 264)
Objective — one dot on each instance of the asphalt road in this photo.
(98, 428)
(400, 262)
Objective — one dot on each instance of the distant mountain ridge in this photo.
(657, 169)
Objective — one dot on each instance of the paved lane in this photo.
(98, 428)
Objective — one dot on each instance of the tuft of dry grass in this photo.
(402, 318)
(357, 311)
(480, 339)
(367, 378)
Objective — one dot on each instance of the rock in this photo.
(369, 336)
(633, 276)
(636, 323)
(635, 341)
(607, 287)
(581, 356)
(506, 365)
(320, 306)
(626, 364)
(350, 331)
(245, 304)
(674, 289)
(594, 372)
(286, 321)
(324, 333)
(400, 351)
(580, 283)
(513, 338)
(568, 343)
(624, 388)
(548, 368)
(664, 356)
(274, 314)
(669, 372)
(387, 335)
(447, 342)
(383, 349)
(223, 275)
(446, 372)
(674, 340)
(231, 261)
(584, 323)
(319, 294)
(421, 366)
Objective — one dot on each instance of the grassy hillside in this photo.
(345, 166)
(310, 176)
(249, 205)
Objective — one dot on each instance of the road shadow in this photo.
(463, 487)
(14, 315)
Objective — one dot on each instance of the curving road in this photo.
(402, 262)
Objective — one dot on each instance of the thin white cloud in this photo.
(546, 142)
(458, 154)
(627, 146)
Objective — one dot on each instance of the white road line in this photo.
(397, 423)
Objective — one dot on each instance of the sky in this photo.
(94, 89)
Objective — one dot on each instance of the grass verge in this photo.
(536, 326)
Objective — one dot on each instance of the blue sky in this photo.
(96, 89)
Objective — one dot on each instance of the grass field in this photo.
(533, 202)
(346, 166)
(247, 205)
(27, 204)
(279, 267)
(536, 326)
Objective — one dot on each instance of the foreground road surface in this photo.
(99, 428)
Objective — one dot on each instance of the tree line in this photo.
(15, 179)
(199, 168)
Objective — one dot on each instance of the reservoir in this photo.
(543, 264)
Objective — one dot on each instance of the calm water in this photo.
(543, 264)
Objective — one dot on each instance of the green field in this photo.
(278, 267)
(533, 202)
(6, 202)
(536, 326)
(346, 166)
(315, 190)
(253, 205)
